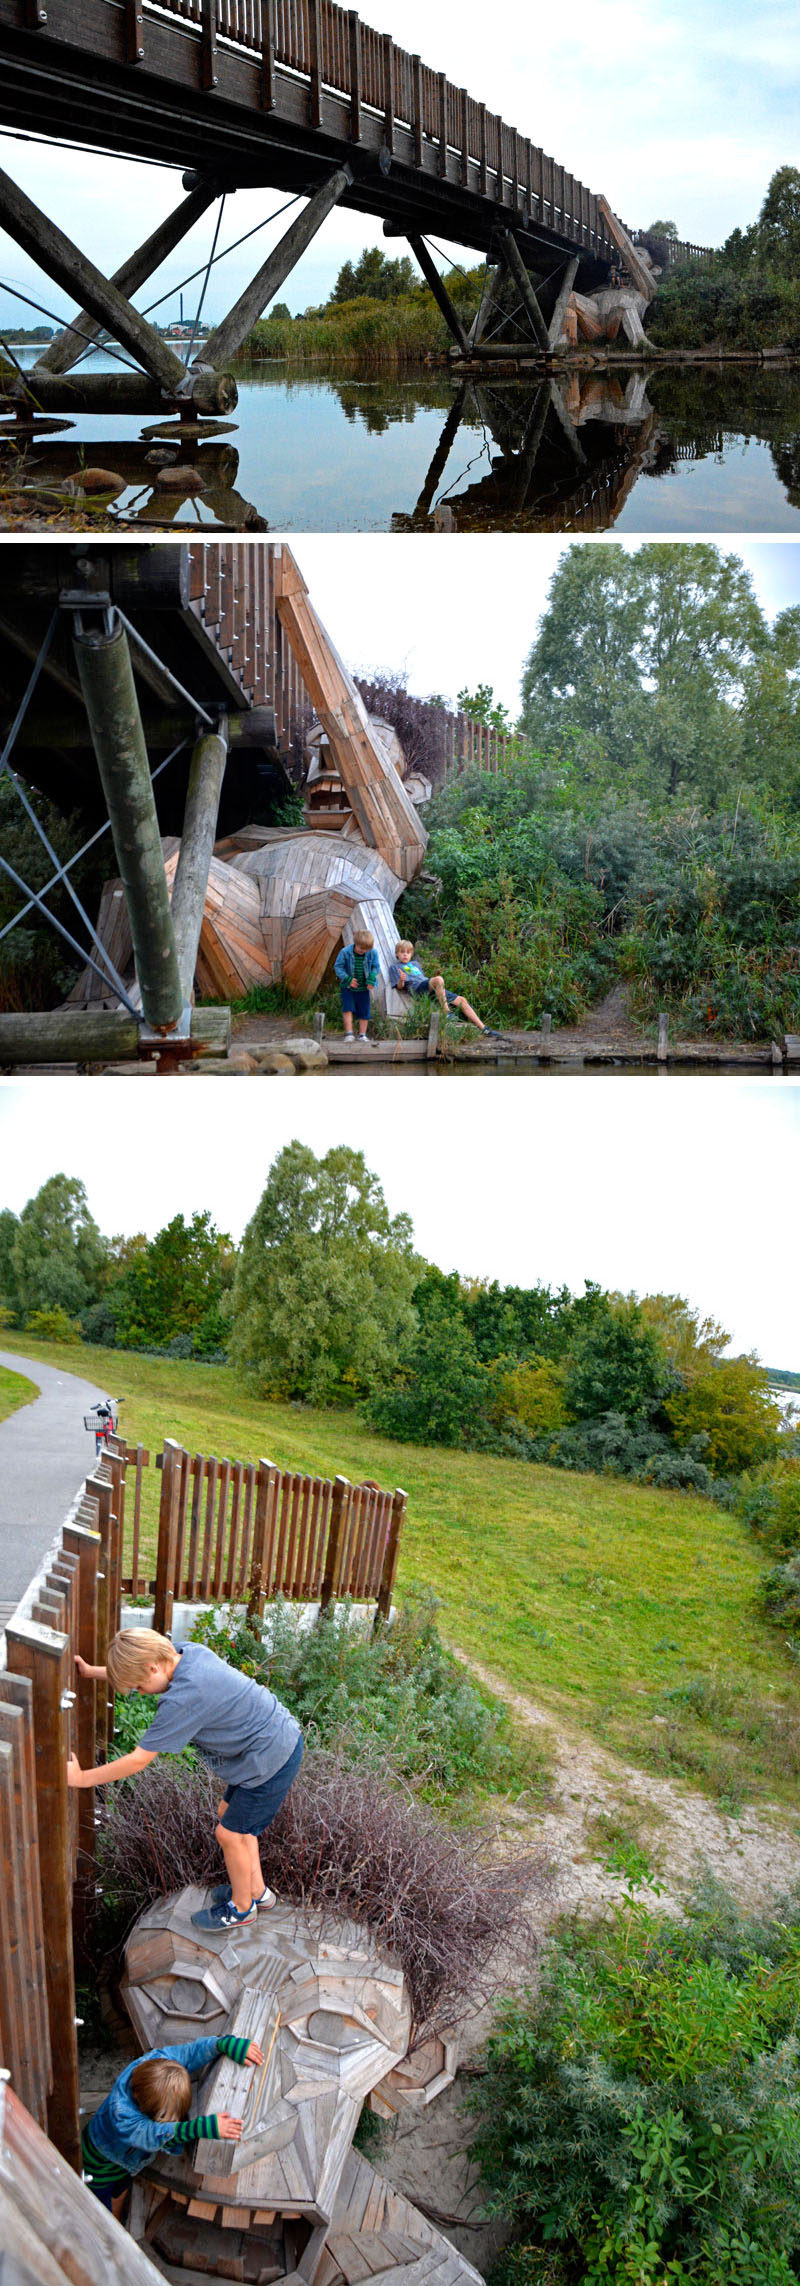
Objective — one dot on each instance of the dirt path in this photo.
(757, 1855)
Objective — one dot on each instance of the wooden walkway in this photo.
(281, 92)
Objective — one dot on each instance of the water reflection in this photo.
(663, 448)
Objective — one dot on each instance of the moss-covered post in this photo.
(106, 678)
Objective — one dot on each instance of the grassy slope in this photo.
(15, 1390)
(598, 1597)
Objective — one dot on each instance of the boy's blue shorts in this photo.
(249, 1809)
(355, 999)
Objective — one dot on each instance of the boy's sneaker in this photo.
(221, 1896)
(223, 1915)
(349, 1039)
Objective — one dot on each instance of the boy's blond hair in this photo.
(133, 1650)
(161, 2087)
(405, 946)
(362, 937)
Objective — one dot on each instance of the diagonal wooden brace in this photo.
(440, 293)
(514, 262)
(223, 343)
(54, 253)
(64, 351)
(565, 285)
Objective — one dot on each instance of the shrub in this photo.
(768, 1499)
(347, 1841)
(533, 1392)
(392, 1697)
(731, 1406)
(781, 1594)
(638, 2119)
(52, 1325)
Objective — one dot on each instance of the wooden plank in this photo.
(168, 1526)
(354, 35)
(337, 1528)
(42, 1656)
(268, 91)
(640, 273)
(209, 73)
(16, 1727)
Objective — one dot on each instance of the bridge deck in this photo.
(278, 92)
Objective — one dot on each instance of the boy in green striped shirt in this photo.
(147, 2110)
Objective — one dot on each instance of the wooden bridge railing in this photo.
(331, 48)
(443, 742)
(233, 593)
(245, 1532)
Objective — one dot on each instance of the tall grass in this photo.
(364, 333)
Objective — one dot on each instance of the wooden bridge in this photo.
(299, 95)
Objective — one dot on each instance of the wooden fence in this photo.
(437, 739)
(226, 1528)
(47, 1829)
(246, 1531)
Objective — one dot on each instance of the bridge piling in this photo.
(63, 352)
(106, 678)
(62, 261)
(228, 337)
(515, 265)
(440, 293)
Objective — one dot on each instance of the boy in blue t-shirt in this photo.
(147, 2110)
(406, 975)
(358, 969)
(251, 1741)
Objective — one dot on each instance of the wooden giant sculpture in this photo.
(291, 2201)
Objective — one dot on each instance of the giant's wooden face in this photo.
(331, 2016)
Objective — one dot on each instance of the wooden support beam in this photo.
(116, 393)
(514, 262)
(100, 1036)
(484, 174)
(268, 90)
(42, 1655)
(228, 337)
(109, 692)
(485, 305)
(416, 87)
(440, 293)
(134, 31)
(54, 253)
(566, 283)
(67, 347)
(354, 32)
(464, 106)
(442, 86)
(199, 833)
(638, 270)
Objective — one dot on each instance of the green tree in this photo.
(176, 1287)
(649, 652)
(442, 1393)
(616, 1365)
(322, 1297)
(375, 277)
(9, 1291)
(730, 1404)
(59, 1258)
(779, 222)
(661, 230)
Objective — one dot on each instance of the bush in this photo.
(638, 2119)
(768, 1500)
(52, 1325)
(781, 1594)
(345, 1840)
(395, 1697)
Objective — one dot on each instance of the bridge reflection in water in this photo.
(567, 455)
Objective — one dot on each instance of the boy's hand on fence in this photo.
(255, 2055)
(230, 2129)
(74, 1771)
(83, 1669)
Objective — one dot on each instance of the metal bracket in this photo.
(150, 1038)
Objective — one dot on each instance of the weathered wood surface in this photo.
(53, 2231)
(247, 1531)
(62, 353)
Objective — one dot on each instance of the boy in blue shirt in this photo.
(358, 969)
(407, 975)
(251, 1741)
(147, 2110)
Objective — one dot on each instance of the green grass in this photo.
(629, 1613)
(15, 1390)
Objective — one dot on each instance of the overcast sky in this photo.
(380, 598)
(647, 1185)
(682, 111)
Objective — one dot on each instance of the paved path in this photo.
(45, 1453)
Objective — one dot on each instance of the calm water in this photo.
(712, 449)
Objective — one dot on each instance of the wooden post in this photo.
(392, 1554)
(268, 54)
(464, 136)
(662, 1050)
(513, 258)
(134, 31)
(416, 84)
(318, 1025)
(337, 1528)
(267, 1481)
(42, 1655)
(61, 260)
(442, 85)
(223, 343)
(566, 283)
(432, 1043)
(440, 293)
(16, 1715)
(500, 188)
(34, 14)
(206, 772)
(115, 723)
(314, 88)
(208, 45)
(168, 1528)
(354, 26)
(86, 1547)
(68, 346)
(106, 1628)
(388, 90)
(484, 175)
